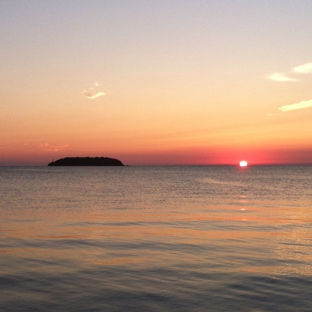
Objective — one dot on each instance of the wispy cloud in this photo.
(303, 69)
(284, 77)
(300, 105)
(270, 114)
(52, 148)
(93, 92)
(281, 77)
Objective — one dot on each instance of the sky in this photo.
(157, 82)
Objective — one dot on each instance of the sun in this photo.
(243, 163)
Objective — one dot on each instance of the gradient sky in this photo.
(156, 82)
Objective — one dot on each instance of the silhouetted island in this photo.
(86, 161)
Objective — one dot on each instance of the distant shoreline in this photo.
(165, 165)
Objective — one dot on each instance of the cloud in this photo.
(270, 114)
(303, 104)
(281, 77)
(93, 92)
(303, 69)
(52, 148)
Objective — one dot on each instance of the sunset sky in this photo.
(156, 82)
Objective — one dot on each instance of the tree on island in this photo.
(86, 161)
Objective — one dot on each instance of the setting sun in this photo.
(243, 163)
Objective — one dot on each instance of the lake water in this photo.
(156, 238)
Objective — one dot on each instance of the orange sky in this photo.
(178, 82)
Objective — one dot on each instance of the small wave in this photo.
(212, 181)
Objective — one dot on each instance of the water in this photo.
(156, 239)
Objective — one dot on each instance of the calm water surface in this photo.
(156, 239)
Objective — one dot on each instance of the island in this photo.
(86, 161)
